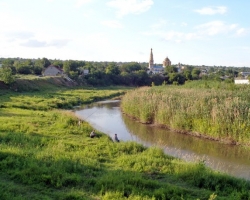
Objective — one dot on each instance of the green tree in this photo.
(195, 73)
(130, 67)
(141, 78)
(42, 63)
(69, 65)
(6, 75)
(176, 78)
(37, 70)
(73, 75)
(25, 67)
(8, 62)
(45, 62)
(158, 79)
(112, 68)
(171, 69)
(187, 74)
(58, 63)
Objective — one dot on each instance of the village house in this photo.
(243, 78)
(241, 81)
(244, 74)
(180, 67)
(85, 72)
(53, 70)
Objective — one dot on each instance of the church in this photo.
(157, 69)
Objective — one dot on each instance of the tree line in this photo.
(112, 73)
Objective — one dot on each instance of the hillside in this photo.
(35, 83)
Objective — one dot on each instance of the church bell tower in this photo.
(151, 60)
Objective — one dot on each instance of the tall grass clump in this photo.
(219, 113)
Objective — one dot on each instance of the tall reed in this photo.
(221, 114)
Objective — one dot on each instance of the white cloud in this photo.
(191, 36)
(125, 7)
(112, 24)
(175, 36)
(95, 40)
(31, 39)
(161, 23)
(34, 43)
(179, 36)
(79, 3)
(58, 42)
(215, 28)
(19, 34)
(37, 43)
(203, 31)
(241, 31)
(184, 24)
(11, 22)
(76, 3)
(98, 44)
(3, 4)
(212, 10)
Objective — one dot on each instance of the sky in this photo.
(192, 32)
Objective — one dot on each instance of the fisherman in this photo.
(116, 138)
(92, 134)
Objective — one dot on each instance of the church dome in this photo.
(166, 62)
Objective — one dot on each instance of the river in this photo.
(106, 117)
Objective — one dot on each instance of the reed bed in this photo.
(216, 113)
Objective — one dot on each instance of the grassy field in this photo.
(45, 154)
(213, 110)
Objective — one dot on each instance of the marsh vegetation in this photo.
(217, 111)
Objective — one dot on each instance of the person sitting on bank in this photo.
(116, 138)
(92, 134)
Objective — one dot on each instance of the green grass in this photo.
(57, 97)
(45, 154)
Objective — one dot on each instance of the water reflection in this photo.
(107, 117)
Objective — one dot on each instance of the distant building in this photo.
(151, 60)
(204, 72)
(157, 69)
(53, 70)
(166, 62)
(241, 81)
(85, 71)
(244, 74)
(180, 67)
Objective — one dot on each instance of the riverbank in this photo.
(45, 154)
(227, 141)
(106, 116)
(219, 114)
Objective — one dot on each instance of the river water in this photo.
(106, 117)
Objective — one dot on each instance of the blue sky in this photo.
(195, 32)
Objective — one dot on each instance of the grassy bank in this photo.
(45, 154)
(214, 110)
(30, 83)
